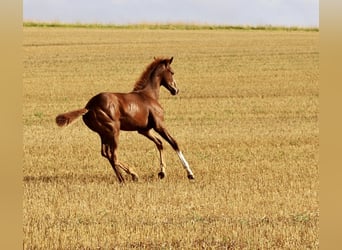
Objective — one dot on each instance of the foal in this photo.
(108, 113)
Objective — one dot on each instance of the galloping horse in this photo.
(108, 113)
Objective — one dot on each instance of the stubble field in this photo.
(246, 119)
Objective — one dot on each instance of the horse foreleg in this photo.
(185, 165)
(163, 133)
(159, 145)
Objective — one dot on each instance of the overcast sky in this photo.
(230, 12)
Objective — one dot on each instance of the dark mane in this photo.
(146, 75)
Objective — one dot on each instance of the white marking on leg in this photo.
(162, 170)
(185, 163)
(162, 164)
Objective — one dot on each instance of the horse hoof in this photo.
(135, 178)
(161, 175)
(191, 177)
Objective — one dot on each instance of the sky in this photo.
(302, 13)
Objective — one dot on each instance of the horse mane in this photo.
(147, 73)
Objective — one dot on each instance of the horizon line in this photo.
(164, 25)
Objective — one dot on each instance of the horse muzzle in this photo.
(174, 91)
(173, 88)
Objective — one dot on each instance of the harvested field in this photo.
(246, 120)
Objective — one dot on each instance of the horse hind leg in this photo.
(112, 160)
(128, 171)
(109, 151)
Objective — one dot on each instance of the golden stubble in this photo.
(246, 120)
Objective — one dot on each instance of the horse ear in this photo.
(171, 59)
(154, 58)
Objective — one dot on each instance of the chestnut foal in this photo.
(108, 113)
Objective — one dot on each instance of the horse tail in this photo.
(67, 118)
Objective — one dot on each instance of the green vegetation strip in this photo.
(166, 26)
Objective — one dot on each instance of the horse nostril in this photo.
(174, 91)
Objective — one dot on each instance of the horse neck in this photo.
(152, 88)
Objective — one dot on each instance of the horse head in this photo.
(166, 74)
